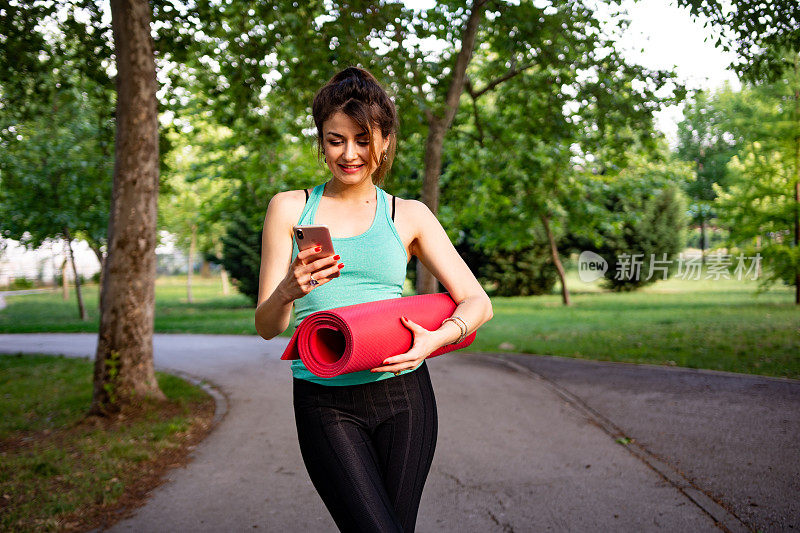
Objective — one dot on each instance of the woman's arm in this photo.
(432, 246)
(281, 280)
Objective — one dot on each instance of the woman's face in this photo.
(346, 147)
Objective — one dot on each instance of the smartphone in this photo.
(313, 235)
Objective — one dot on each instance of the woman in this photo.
(367, 438)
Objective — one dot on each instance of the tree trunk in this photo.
(190, 268)
(427, 282)
(123, 370)
(205, 269)
(758, 249)
(437, 128)
(556, 261)
(702, 242)
(796, 179)
(64, 284)
(98, 252)
(81, 308)
(225, 283)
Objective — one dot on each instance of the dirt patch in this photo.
(151, 474)
(138, 479)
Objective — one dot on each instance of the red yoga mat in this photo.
(359, 337)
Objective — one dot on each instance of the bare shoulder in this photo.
(417, 213)
(418, 223)
(287, 205)
(413, 208)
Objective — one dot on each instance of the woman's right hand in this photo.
(308, 264)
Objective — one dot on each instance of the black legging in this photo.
(368, 448)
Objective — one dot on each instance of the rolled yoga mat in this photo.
(360, 337)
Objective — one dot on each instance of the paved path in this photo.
(526, 443)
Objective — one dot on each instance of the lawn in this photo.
(61, 470)
(714, 324)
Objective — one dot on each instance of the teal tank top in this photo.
(374, 269)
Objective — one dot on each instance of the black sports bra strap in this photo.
(306, 191)
(393, 199)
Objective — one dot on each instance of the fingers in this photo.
(313, 270)
(321, 277)
(308, 254)
(398, 363)
(328, 273)
(412, 358)
(324, 269)
(310, 269)
(311, 261)
(324, 262)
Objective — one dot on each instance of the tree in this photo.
(762, 202)
(703, 140)
(254, 52)
(55, 126)
(124, 370)
(192, 204)
(643, 226)
(759, 32)
(54, 175)
(766, 37)
(557, 117)
(758, 206)
(79, 58)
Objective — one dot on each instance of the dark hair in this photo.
(357, 93)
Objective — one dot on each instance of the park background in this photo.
(562, 129)
(571, 132)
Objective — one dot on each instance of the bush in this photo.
(651, 225)
(241, 254)
(20, 284)
(58, 279)
(524, 272)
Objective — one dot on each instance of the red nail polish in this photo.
(318, 249)
(341, 265)
(335, 257)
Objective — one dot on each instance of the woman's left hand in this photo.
(424, 345)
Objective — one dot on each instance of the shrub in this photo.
(21, 284)
(524, 272)
(241, 254)
(649, 226)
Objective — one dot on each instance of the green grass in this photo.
(211, 313)
(719, 325)
(59, 469)
(714, 324)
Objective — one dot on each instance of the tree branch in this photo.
(513, 71)
(471, 92)
(462, 60)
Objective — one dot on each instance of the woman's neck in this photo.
(357, 194)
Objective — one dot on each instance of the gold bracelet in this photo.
(466, 330)
(462, 327)
(454, 320)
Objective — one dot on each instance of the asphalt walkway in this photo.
(526, 443)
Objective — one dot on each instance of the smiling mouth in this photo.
(350, 168)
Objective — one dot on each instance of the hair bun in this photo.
(357, 83)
